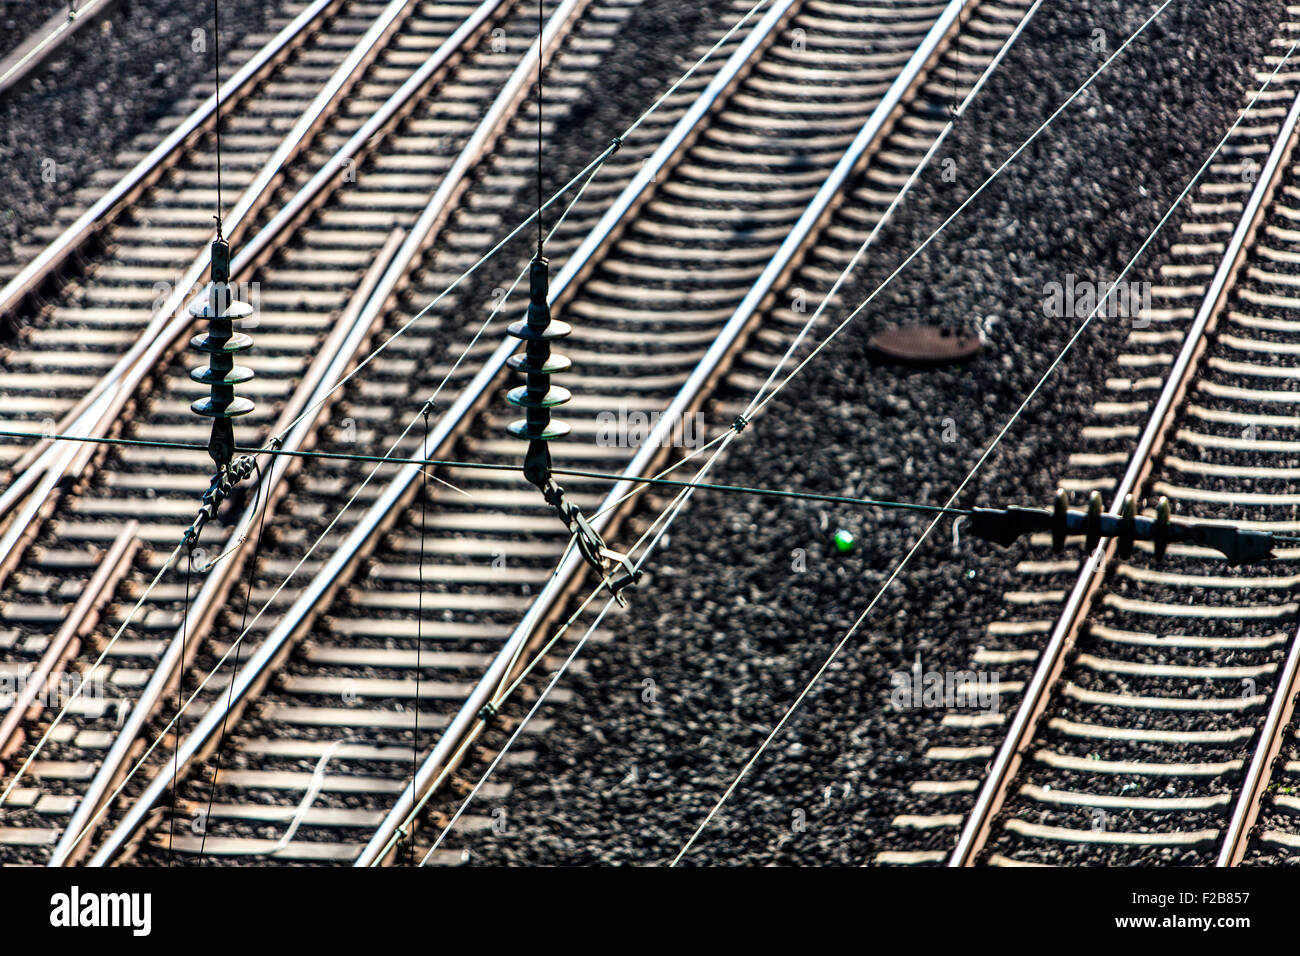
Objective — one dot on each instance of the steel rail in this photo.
(1263, 761)
(339, 351)
(301, 613)
(466, 725)
(93, 416)
(148, 169)
(377, 518)
(112, 567)
(47, 40)
(101, 407)
(992, 793)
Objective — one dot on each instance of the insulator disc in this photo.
(549, 432)
(237, 407)
(553, 365)
(238, 342)
(206, 375)
(556, 330)
(235, 311)
(555, 395)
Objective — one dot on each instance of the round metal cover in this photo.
(926, 344)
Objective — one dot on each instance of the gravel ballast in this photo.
(724, 627)
(112, 81)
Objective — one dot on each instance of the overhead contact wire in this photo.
(996, 440)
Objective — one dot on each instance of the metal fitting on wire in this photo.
(221, 344)
(537, 397)
(1004, 526)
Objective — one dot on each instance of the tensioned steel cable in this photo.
(979, 463)
(419, 613)
(540, 29)
(180, 690)
(614, 477)
(609, 476)
(216, 65)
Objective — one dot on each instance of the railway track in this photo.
(314, 730)
(393, 187)
(1145, 710)
(321, 755)
(322, 745)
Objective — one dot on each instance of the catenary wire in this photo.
(971, 474)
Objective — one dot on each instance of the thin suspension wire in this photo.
(672, 511)
(234, 670)
(419, 619)
(916, 546)
(180, 689)
(216, 64)
(40, 744)
(540, 52)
